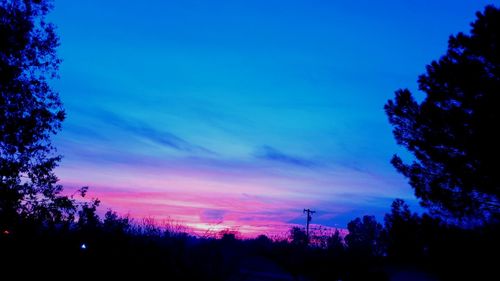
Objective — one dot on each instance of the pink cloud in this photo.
(251, 201)
(204, 212)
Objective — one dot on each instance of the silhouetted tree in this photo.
(403, 233)
(115, 224)
(298, 236)
(364, 236)
(227, 236)
(87, 216)
(453, 133)
(335, 243)
(30, 112)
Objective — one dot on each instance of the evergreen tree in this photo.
(453, 133)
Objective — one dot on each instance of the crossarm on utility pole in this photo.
(309, 218)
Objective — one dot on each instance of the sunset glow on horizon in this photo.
(237, 115)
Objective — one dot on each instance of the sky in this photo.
(239, 114)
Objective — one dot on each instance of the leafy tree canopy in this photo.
(30, 112)
(454, 133)
(365, 236)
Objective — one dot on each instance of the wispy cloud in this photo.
(269, 153)
(148, 132)
(212, 215)
(165, 138)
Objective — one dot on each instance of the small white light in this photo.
(83, 246)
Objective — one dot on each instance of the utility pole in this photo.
(309, 218)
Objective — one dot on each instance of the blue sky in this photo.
(242, 113)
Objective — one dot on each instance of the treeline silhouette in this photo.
(405, 244)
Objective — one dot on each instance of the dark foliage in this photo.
(364, 236)
(336, 244)
(115, 246)
(298, 236)
(453, 133)
(403, 234)
(30, 112)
